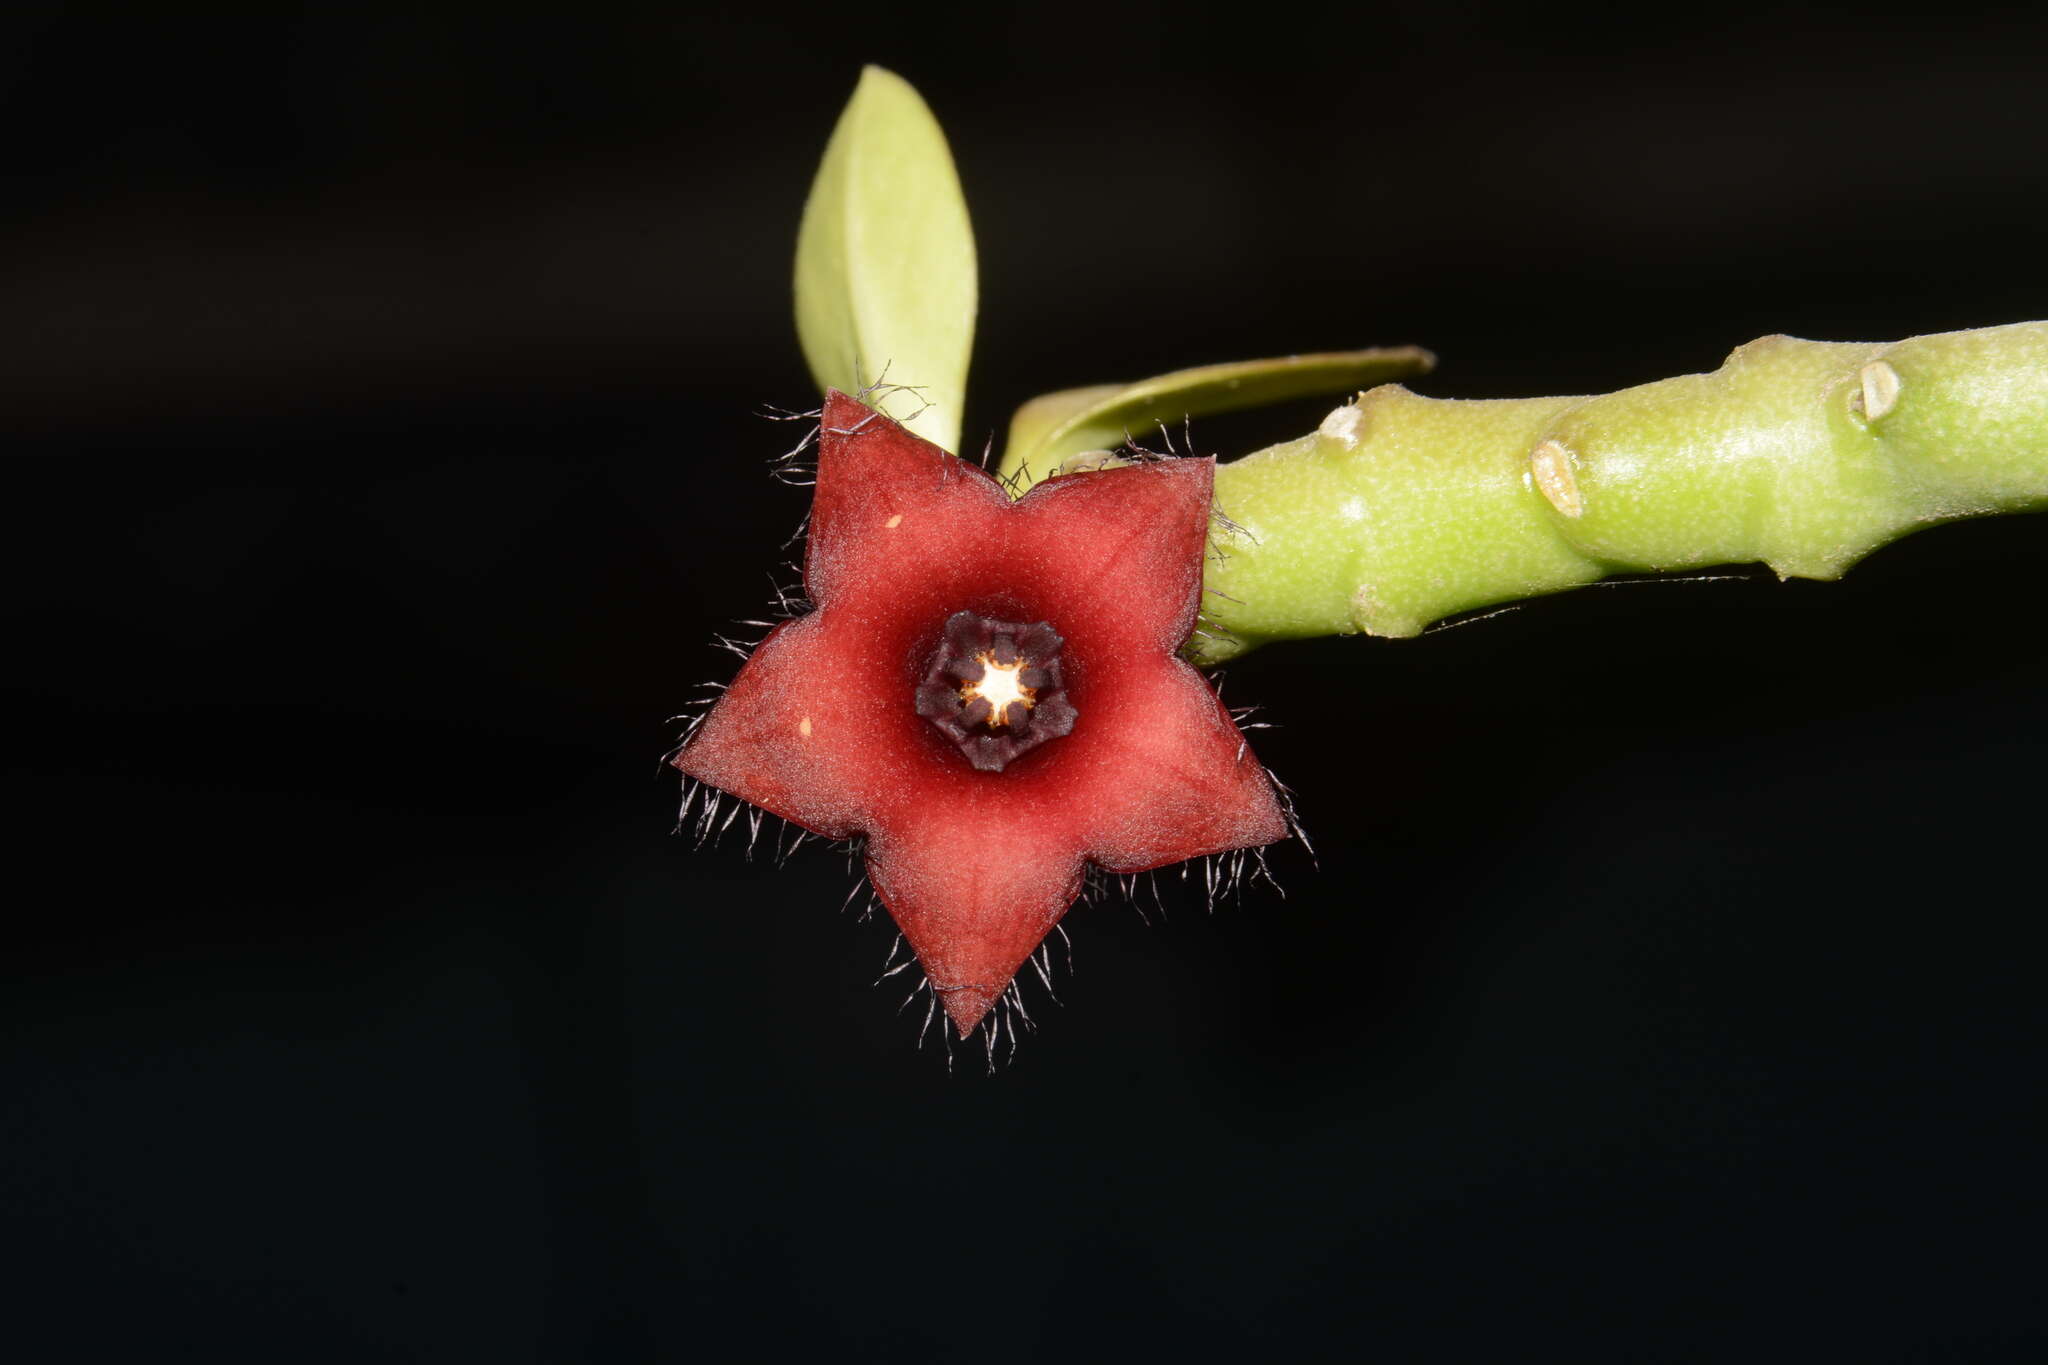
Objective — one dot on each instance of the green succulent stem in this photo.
(1400, 510)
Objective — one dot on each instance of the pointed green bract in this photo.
(885, 281)
(1400, 510)
(1047, 430)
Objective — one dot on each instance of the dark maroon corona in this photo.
(995, 689)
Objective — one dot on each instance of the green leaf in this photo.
(885, 286)
(1047, 430)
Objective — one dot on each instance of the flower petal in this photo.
(776, 740)
(887, 500)
(1172, 776)
(823, 728)
(975, 888)
(1126, 543)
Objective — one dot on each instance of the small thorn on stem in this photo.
(1551, 467)
(1880, 390)
(1342, 425)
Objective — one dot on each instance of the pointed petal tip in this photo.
(840, 406)
(966, 1006)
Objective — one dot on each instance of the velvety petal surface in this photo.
(821, 726)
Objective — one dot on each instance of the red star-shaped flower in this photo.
(989, 693)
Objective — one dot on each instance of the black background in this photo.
(379, 406)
